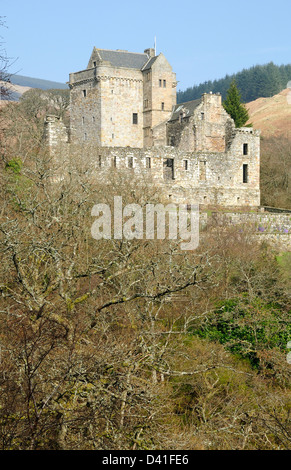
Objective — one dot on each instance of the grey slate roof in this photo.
(150, 63)
(188, 107)
(131, 60)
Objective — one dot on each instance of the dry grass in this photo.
(271, 115)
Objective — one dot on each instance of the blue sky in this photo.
(201, 40)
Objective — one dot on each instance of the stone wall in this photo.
(121, 98)
(207, 129)
(210, 120)
(55, 132)
(103, 102)
(273, 228)
(265, 222)
(85, 107)
(163, 90)
(225, 160)
(210, 179)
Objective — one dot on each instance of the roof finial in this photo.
(155, 45)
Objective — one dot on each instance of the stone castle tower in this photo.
(123, 111)
(121, 98)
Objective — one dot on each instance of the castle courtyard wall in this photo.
(198, 178)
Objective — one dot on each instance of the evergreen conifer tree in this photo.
(234, 106)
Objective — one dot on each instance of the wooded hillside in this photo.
(258, 81)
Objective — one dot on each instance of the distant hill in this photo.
(36, 83)
(15, 92)
(259, 81)
(20, 84)
(272, 115)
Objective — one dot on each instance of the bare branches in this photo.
(101, 342)
(4, 67)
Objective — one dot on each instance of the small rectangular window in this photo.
(245, 173)
(148, 162)
(202, 171)
(163, 106)
(83, 120)
(93, 119)
(245, 149)
(130, 162)
(134, 118)
(202, 116)
(160, 83)
(114, 162)
(84, 93)
(164, 83)
(186, 165)
(85, 136)
(100, 161)
(94, 64)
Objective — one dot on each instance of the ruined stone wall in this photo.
(244, 151)
(159, 135)
(210, 121)
(273, 228)
(210, 179)
(206, 130)
(55, 131)
(181, 134)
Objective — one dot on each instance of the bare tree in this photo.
(4, 67)
(275, 172)
(97, 343)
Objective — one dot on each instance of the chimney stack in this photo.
(150, 52)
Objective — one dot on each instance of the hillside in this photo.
(253, 83)
(20, 84)
(271, 115)
(37, 83)
(16, 91)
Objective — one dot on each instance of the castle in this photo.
(123, 107)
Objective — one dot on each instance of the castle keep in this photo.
(121, 97)
(123, 108)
